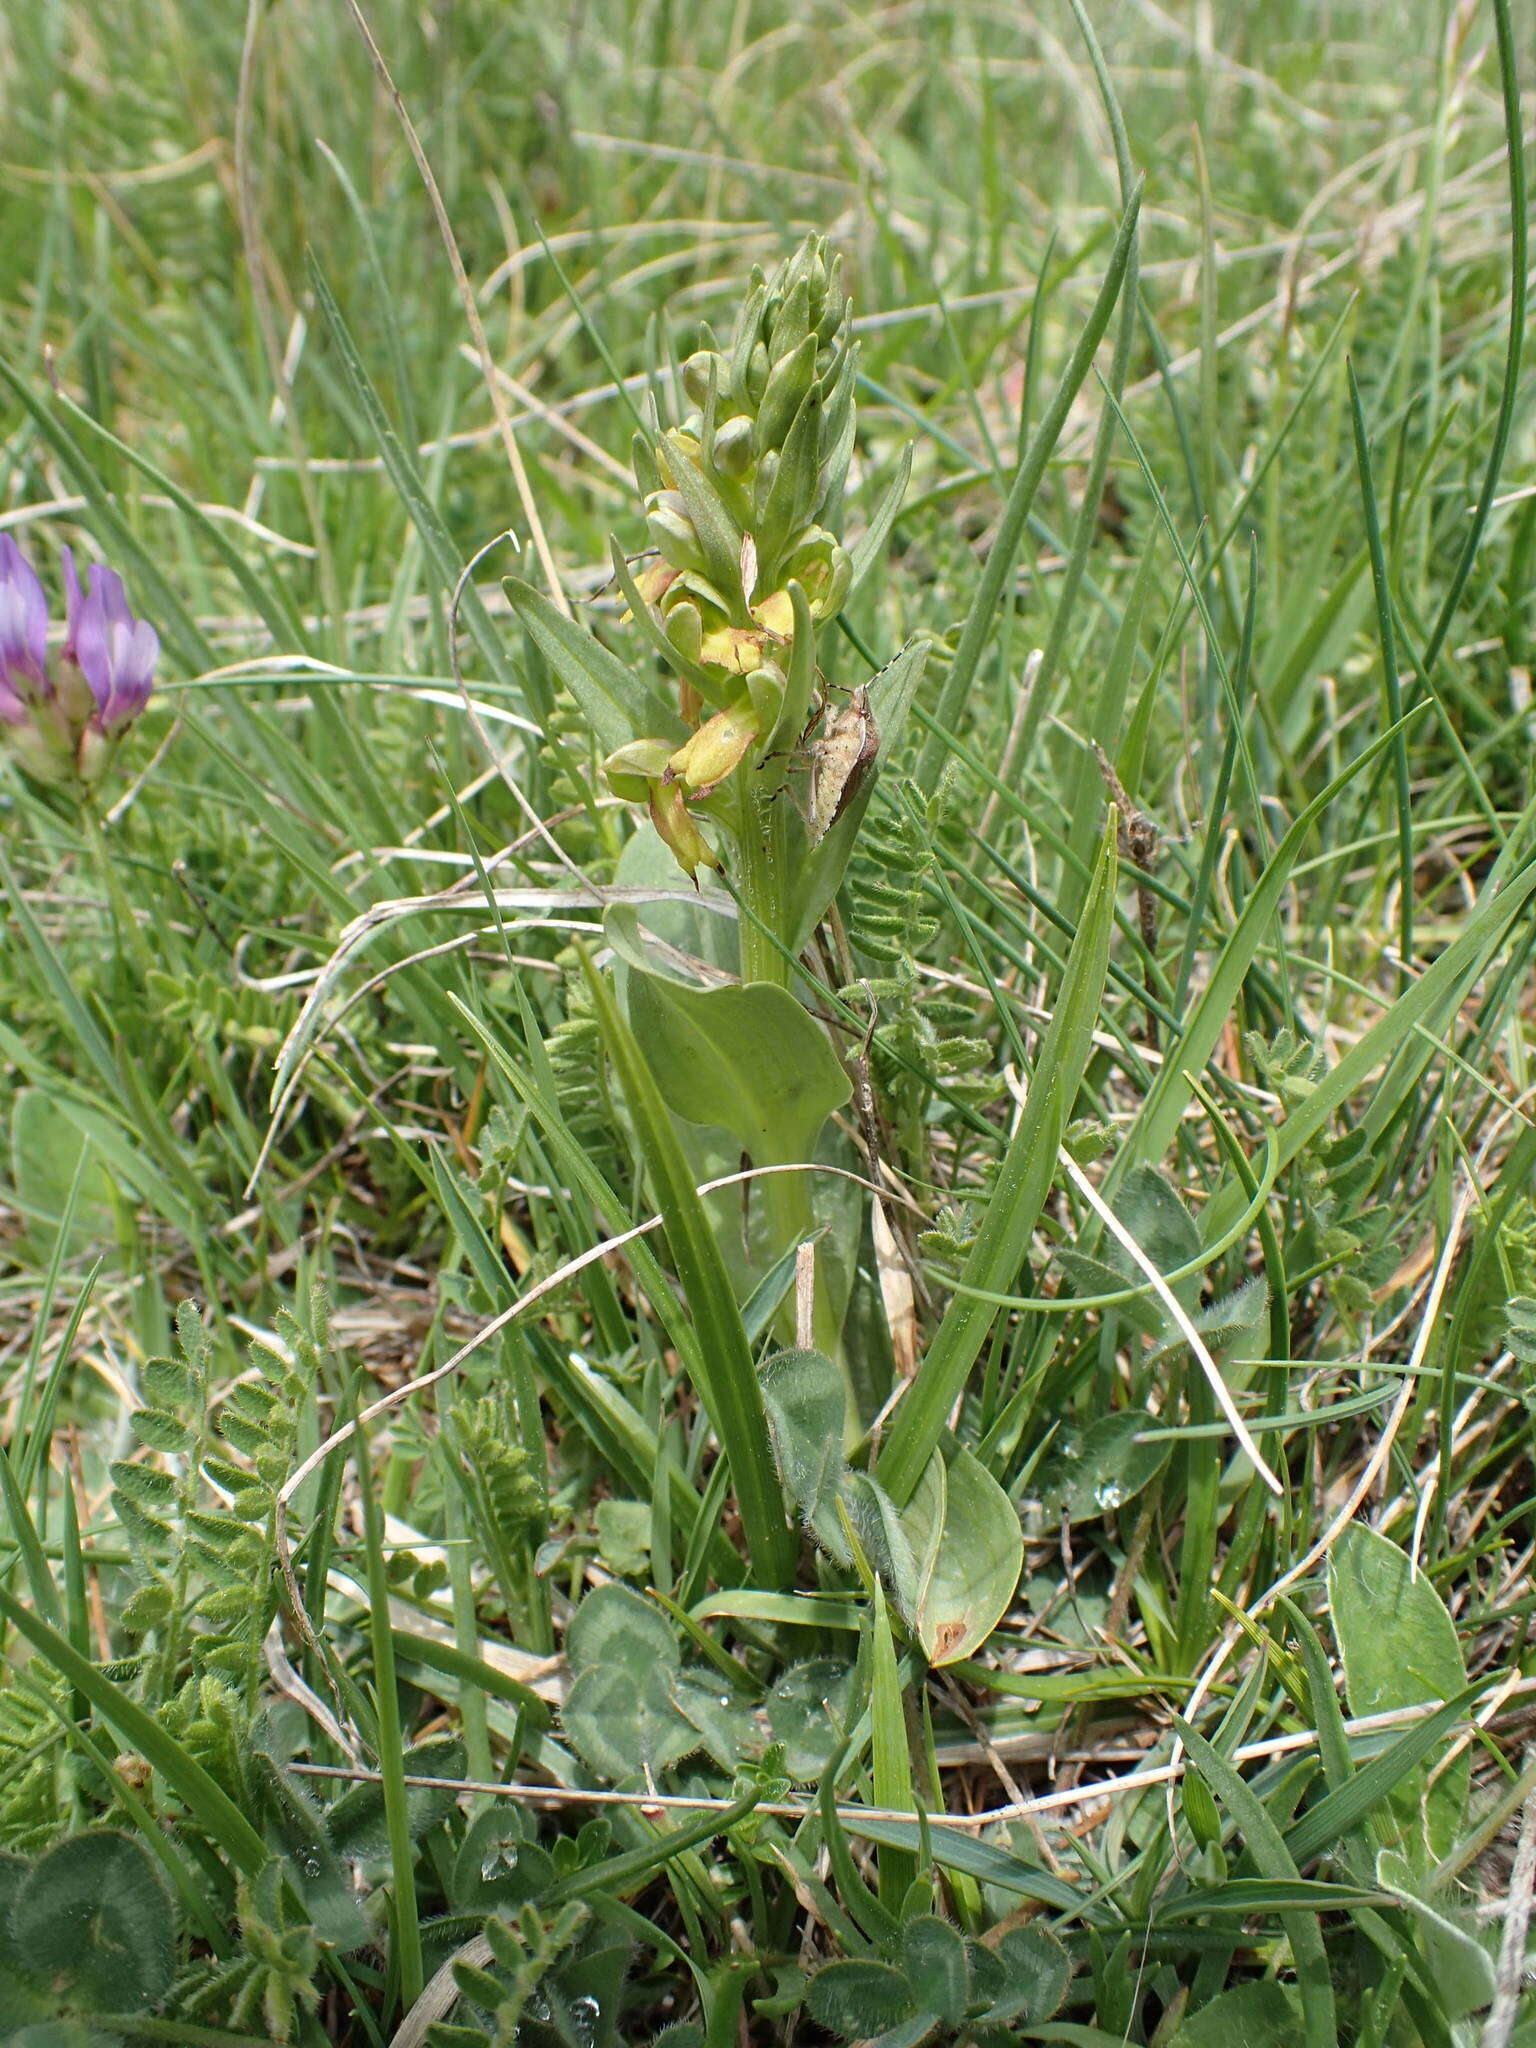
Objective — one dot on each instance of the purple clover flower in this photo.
(114, 651)
(23, 635)
(63, 720)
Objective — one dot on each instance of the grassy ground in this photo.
(276, 1041)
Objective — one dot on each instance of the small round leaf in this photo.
(94, 1918)
(859, 1998)
(615, 1625)
(623, 1724)
(933, 1957)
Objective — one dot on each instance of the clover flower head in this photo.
(23, 634)
(114, 651)
(63, 719)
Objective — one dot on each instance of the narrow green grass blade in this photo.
(573, 1162)
(1170, 1091)
(406, 1948)
(890, 1759)
(1275, 1863)
(981, 618)
(174, 621)
(1390, 689)
(407, 479)
(1200, 893)
(23, 1533)
(1023, 1183)
(1515, 144)
(636, 1866)
(1436, 991)
(1342, 1810)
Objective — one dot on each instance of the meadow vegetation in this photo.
(767, 1254)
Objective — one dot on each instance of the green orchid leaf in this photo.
(870, 545)
(616, 702)
(1400, 1649)
(965, 1532)
(747, 1058)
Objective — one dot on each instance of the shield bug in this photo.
(841, 758)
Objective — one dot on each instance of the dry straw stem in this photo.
(1095, 1792)
(1510, 1969)
(1175, 1308)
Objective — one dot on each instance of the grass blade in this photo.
(981, 617)
(1023, 1183)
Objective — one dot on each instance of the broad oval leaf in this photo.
(966, 1534)
(1258, 2015)
(808, 1711)
(1462, 1968)
(49, 1148)
(358, 1823)
(858, 1998)
(748, 1059)
(934, 1959)
(1026, 1975)
(1092, 1472)
(807, 1406)
(615, 1625)
(1399, 1649)
(625, 1725)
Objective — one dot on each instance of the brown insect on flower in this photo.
(841, 758)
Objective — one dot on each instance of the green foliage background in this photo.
(234, 363)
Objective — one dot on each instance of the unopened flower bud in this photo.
(697, 371)
(757, 373)
(833, 304)
(685, 629)
(791, 321)
(767, 470)
(788, 382)
(635, 768)
(673, 531)
(735, 441)
(766, 687)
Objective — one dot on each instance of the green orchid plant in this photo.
(756, 772)
(749, 765)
